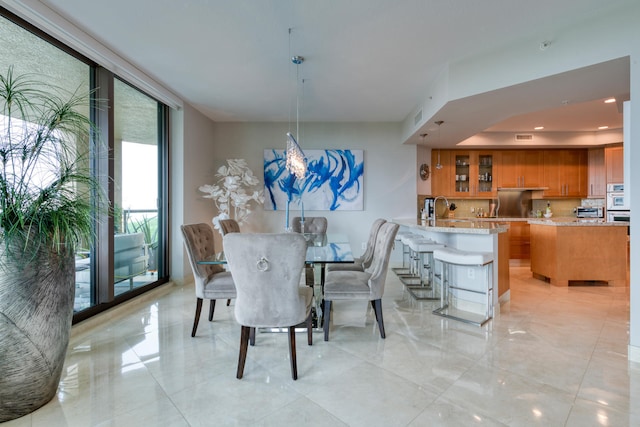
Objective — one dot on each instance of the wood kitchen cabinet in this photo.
(519, 240)
(473, 174)
(614, 159)
(441, 181)
(520, 168)
(597, 173)
(565, 173)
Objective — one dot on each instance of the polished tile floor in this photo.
(552, 357)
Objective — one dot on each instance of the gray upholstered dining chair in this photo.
(229, 226)
(267, 269)
(212, 282)
(362, 285)
(363, 262)
(312, 224)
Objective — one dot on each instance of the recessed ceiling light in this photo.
(609, 101)
(603, 127)
(538, 128)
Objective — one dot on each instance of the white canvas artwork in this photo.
(334, 181)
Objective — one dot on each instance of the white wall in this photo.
(389, 183)
(191, 151)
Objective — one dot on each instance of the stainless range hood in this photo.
(517, 202)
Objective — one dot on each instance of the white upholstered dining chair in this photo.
(267, 271)
(212, 282)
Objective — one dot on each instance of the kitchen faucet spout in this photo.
(434, 205)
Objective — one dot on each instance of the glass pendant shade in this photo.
(296, 161)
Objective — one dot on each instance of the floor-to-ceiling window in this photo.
(136, 157)
(130, 258)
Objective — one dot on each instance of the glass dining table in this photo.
(322, 249)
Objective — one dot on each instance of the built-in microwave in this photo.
(615, 197)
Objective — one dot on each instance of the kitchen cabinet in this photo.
(614, 159)
(565, 173)
(519, 240)
(520, 168)
(473, 174)
(554, 256)
(441, 181)
(597, 174)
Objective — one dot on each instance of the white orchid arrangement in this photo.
(230, 193)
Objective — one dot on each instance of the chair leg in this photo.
(326, 314)
(377, 307)
(228, 302)
(212, 307)
(244, 341)
(197, 317)
(292, 352)
(252, 337)
(373, 306)
(309, 329)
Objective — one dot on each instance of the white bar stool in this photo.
(458, 286)
(402, 237)
(420, 248)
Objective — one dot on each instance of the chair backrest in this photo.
(198, 240)
(367, 257)
(380, 262)
(312, 224)
(267, 269)
(229, 226)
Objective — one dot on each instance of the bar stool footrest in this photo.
(422, 293)
(401, 271)
(456, 314)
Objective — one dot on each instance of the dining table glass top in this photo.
(321, 249)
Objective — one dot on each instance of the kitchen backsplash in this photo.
(469, 208)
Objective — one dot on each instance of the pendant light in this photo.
(439, 165)
(296, 161)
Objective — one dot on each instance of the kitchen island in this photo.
(471, 235)
(570, 249)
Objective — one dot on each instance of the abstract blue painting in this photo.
(333, 181)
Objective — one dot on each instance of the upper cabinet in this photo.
(520, 168)
(614, 159)
(473, 174)
(441, 172)
(597, 173)
(565, 173)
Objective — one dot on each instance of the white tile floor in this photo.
(553, 357)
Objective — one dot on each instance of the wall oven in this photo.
(615, 197)
(613, 216)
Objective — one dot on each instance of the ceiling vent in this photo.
(524, 137)
(418, 118)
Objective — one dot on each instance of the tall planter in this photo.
(36, 309)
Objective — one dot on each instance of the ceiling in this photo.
(365, 60)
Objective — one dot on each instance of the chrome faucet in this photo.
(434, 206)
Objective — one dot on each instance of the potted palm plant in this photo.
(46, 199)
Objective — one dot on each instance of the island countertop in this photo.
(577, 222)
(458, 226)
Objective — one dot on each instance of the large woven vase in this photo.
(36, 309)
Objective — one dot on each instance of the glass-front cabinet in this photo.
(473, 174)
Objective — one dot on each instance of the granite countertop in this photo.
(577, 222)
(458, 225)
